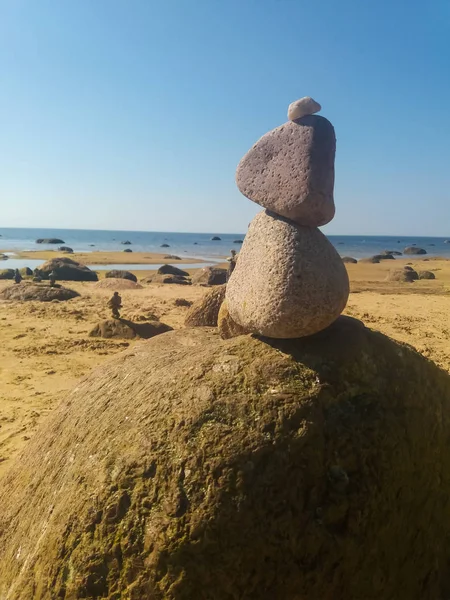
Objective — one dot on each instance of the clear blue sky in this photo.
(133, 114)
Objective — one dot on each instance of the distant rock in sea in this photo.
(216, 238)
(65, 249)
(126, 243)
(49, 241)
(238, 241)
(127, 250)
(164, 246)
(414, 250)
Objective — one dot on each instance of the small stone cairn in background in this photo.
(289, 280)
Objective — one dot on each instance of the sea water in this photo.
(197, 245)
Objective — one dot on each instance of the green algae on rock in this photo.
(190, 467)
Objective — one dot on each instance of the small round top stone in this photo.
(301, 108)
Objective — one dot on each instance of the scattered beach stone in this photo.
(171, 257)
(65, 249)
(121, 328)
(175, 279)
(289, 280)
(426, 275)
(118, 274)
(216, 238)
(49, 241)
(126, 243)
(290, 171)
(313, 468)
(164, 246)
(117, 284)
(127, 250)
(349, 259)
(379, 257)
(66, 269)
(183, 302)
(210, 276)
(171, 270)
(369, 259)
(7, 273)
(302, 107)
(205, 311)
(27, 291)
(414, 250)
(404, 274)
(227, 327)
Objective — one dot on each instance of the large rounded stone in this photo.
(289, 280)
(290, 171)
(191, 468)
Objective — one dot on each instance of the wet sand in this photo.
(106, 258)
(46, 347)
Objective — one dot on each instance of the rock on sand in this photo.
(118, 274)
(205, 312)
(67, 269)
(41, 293)
(193, 468)
(117, 284)
(122, 328)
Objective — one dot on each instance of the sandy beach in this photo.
(46, 347)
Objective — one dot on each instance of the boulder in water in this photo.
(205, 312)
(49, 241)
(65, 249)
(414, 250)
(193, 468)
(67, 269)
(127, 250)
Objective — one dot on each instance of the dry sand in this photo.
(46, 347)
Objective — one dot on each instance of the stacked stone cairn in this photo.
(289, 280)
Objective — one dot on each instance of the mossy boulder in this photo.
(204, 312)
(194, 468)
